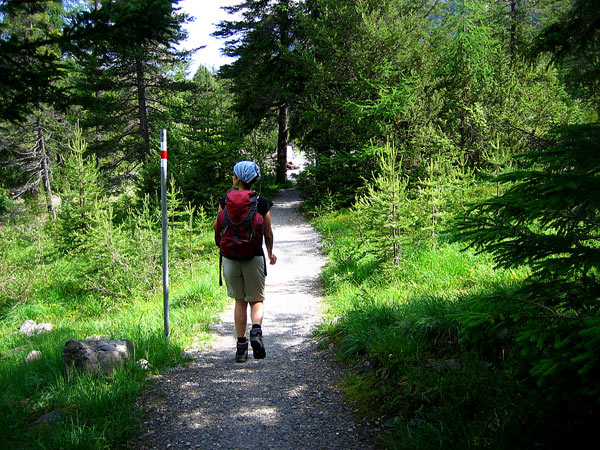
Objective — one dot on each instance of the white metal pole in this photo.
(165, 250)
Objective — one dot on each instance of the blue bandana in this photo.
(247, 171)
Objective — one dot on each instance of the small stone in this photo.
(43, 328)
(48, 418)
(33, 355)
(30, 328)
(27, 328)
(145, 365)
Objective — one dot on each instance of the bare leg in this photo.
(240, 317)
(257, 311)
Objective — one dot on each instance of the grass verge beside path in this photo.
(41, 406)
(112, 289)
(92, 411)
(418, 375)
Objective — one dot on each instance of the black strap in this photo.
(220, 265)
(262, 238)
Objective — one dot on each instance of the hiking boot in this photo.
(241, 354)
(256, 341)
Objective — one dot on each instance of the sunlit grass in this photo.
(95, 412)
(402, 328)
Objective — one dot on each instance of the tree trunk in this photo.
(45, 169)
(143, 109)
(282, 143)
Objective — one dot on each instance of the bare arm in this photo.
(269, 238)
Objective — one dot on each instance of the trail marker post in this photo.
(165, 249)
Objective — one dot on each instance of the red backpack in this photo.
(240, 226)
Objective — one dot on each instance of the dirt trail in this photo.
(289, 400)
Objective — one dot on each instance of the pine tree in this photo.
(30, 58)
(33, 131)
(33, 149)
(81, 195)
(382, 212)
(266, 75)
(574, 44)
(549, 219)
(204, 145)
(125, 56)
(366, 65)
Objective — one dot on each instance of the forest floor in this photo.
(289, 400)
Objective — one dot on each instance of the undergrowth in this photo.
(97, 271)
(87, 294)
(423, 372)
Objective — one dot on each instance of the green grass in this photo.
(96, 412)
(421, 370)
(112, 289)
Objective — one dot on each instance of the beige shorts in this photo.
(245, 279)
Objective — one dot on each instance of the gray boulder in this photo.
(96, 356)
(49, 418)
(33, 355)
(30, 328)
(14, 351)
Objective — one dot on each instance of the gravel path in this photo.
(289, 400)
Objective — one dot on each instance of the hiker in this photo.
(242, 220)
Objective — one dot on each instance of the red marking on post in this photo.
(163, 154)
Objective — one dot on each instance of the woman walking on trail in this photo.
(242, 220)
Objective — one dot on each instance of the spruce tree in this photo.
(549, 219)
(125, 58)
(266, 75)
(30, 58)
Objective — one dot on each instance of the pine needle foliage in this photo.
(81, 192)
(549, 218)
(381, 212)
